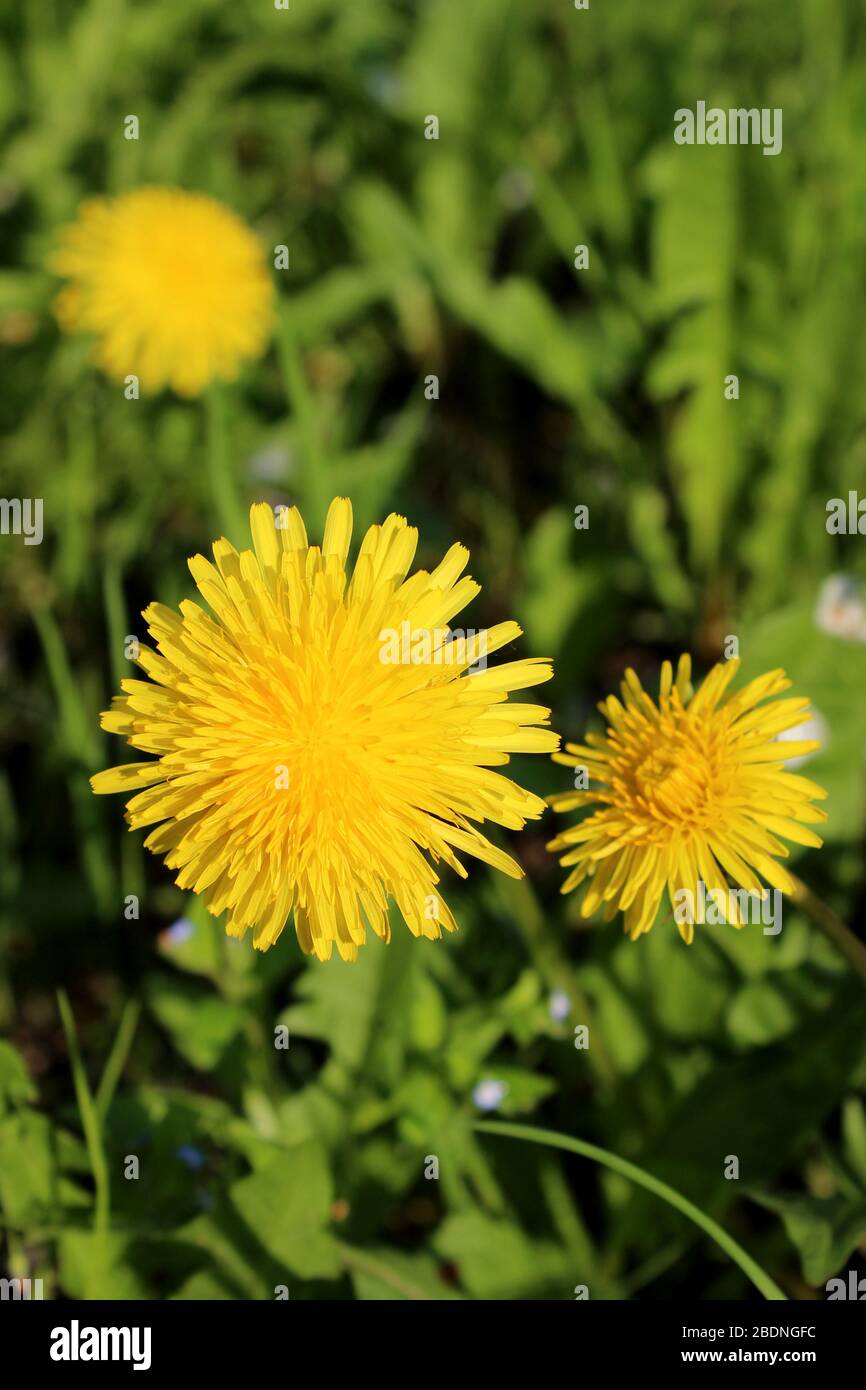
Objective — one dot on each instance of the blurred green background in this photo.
(557, 387)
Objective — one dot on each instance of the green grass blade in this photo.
(90, 1121)
(117, 1058)
(549, 1137)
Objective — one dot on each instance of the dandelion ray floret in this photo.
(689, 791)
(296, 771)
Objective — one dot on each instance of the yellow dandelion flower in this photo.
(689, 791)
(321, 739)
(172, 284)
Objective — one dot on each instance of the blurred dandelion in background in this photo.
(173, 286)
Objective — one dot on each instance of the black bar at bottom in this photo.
(81, 1339)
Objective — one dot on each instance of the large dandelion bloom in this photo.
(172, 284)
(312, 759)
(690, 790)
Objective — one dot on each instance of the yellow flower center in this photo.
(675, 782)
(685, 791)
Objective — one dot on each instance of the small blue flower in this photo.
(191, 1156)
(489, 1094)
(559, 1005)
(178, 932)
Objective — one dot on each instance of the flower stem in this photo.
(750, 1267)
(229, 509)
(842, 937)
(90, 1119)
(315, 472)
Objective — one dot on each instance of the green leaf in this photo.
(204, 1286)
(362, 1009)
(425, 1107)
(101, 1266)
(335, 300)
(763, 1107)
(33, 1155)
(652, 536)
(556, 587)
(818, 331)
(201, 1025)
(201, 952)
(473, 1034)
(447, 69)
(370, 475)
(825, 1230)
(525, 1089)
(686, 987)
(760, 1013)
(854, 1137)
(618, 1020)
(429, 1016)
(694, 241)
(287, 1206)
(395, 1276)
(496, 1259)
(16, 1088)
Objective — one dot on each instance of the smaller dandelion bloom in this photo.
(689, 791)
(173, 286)
(305, 763)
